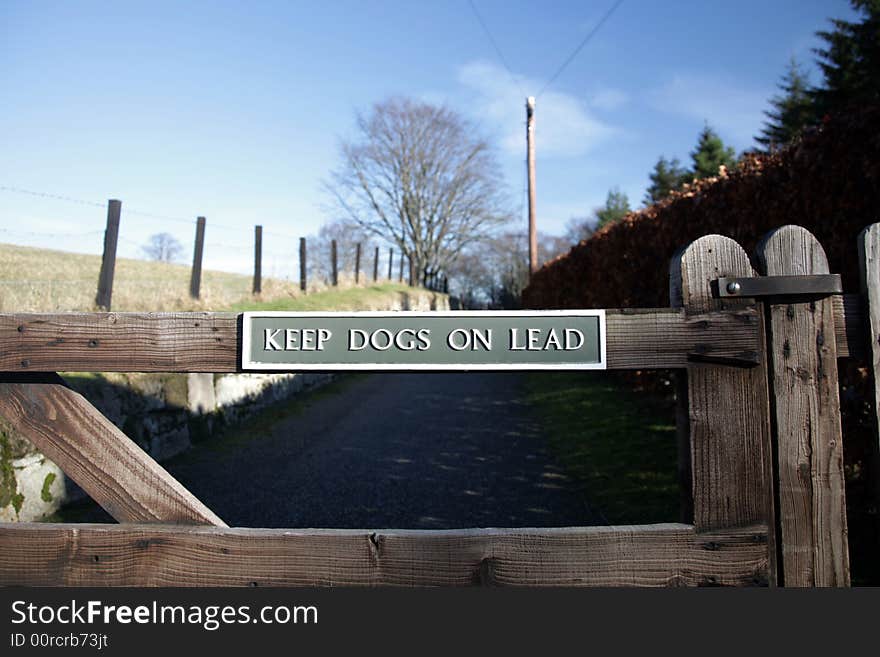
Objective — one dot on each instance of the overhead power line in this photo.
(580, 46)
(494, 44)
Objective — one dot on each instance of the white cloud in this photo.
(564, 124)
(609, 99)
(736, 112)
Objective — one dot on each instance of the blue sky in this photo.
(234, 110)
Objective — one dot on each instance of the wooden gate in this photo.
(760, 426)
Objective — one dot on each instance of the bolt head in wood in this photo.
(733, 287)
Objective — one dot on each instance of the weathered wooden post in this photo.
(412, 273)
(400, 268)
(376, 266)
(334, 272)
(805, 406)
(390, 262)
(302, 264)
(869, 268)
(357, 264)
(258, 259)
(108, 260)
(195, 280)
(729, 469)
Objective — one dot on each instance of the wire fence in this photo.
(38, 279)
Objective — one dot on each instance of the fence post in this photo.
(730, 469)
(108, 261)
(357, 264)
(302, 264)
(195, 280)
(376, 266)
(445, 284)
(869, 268)
(258, 259)
(412, 272)
(334, 272)
(806, 408)
(400, 268)
(390, 262)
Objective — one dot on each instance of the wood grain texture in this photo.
(119, 342)
(728, 408)
(150, 555)
(806, 409)
(209, 342)
(109, 466)
(670, 338)
(869, 268)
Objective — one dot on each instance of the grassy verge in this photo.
(36, 280)
(45, 280)
(374, 297)
(618, 444)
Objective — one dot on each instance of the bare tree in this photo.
(163, 247)
(551, 246)
(418, 177)
(494, 272)
(578, 229)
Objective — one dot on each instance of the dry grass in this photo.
(43, 280)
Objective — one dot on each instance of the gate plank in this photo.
(209, 342)
(728, 408)
(119, 342)
(151, 555)
(806, 408)
(869, 267)
(106, 463)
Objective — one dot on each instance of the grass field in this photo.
(44, 280)
(375, 297)
(618, 444)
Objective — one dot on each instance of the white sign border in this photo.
(248, 365)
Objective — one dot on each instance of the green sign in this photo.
(475, 340)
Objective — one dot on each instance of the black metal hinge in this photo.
(813, 285)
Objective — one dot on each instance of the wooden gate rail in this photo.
(661, 338)
(761, 431)
(150, 555)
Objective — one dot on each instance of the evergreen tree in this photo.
(850, 62)
(710, 154)
(667, 176)
(616, 207)
(791, 111)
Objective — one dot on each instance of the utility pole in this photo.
(530, 146)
